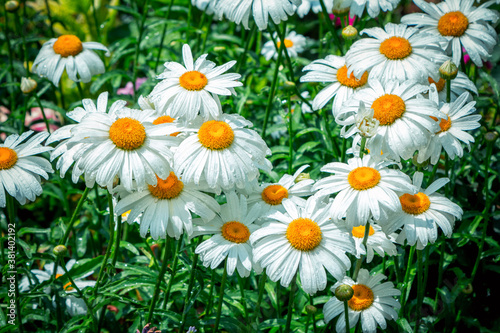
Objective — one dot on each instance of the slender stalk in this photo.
(313, 316)
(407, 277)
(290, 305)
(138, 44)
(96, 23)
(11, 59)
(278, 305)
(262, 283)
(248, 42)
(448, 90)
(329, 24)
(346, 313)
(360, 260)
(241, 282)
(290, 136)
(329, 135)
(163, 33)
(160, 279)
(174, 271)
(80, 90)
(221, 298)
(51, 24)
(420, 288)
(362, 148)
(23, 42)
(43, 111)
(344, 148)
(211, 293)
(75, 214)
(117, 244)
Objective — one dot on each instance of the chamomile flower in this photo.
(315, 5)
(377, 242)
(333, 69)
(294, 44)
(239, 11)
(459, 117)
(194, 88)
(123, 143)
(404, 115)
(270, 196)
(422, 213)
(373, 303)
(223, 152)
(302, 239)
(460, 24)
(459, 85)
(373, 7)
(20, 169)
(166, 208)
(68, 52)
(232, 230)
(366, 188)
(396, 52)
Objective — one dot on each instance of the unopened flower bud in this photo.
(219, 49)
(366, 124)
(311, 309)
(448, 70)
(344, 292)
(491, 136)
(11, 6)
(468, 289)
(28, 85)
(289, 85)
(349, 32)
(302, 176)
(60, 250)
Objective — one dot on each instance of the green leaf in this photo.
(27, 230)
(405, 325)
(129, 247)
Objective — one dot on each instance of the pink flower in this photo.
(34, 119)
(129, 88)
(486, 64)
(338, 21)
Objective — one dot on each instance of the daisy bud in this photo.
(448, 70)
(311, 309)
(289, 85)
(468, 289)
(302, 176)
(28, 85)
(11, 6)
(344, 292)
(60, 250)
(491, 136)
(349, 32)
(366, 124)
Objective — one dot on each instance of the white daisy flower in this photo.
(460, 24)
(396, 53)
(333, 69)
(270, 196)
(373, 301)
(68, 52)
(303, 239)
(459, 85)
(373, 7)
(377, 242)
(294, 44)
(123, 143)
(367, 188)
(232, 230)
(166, 207)
(422, 213)
(404, 116)
(239, 11)
(222, 152)
(458, 117)
(193, 89)
(20, 169)
(315, 5)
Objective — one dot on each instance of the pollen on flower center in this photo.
(415, 204)
(274, 194)
(453, 24)
(351, 81)
(193, 80)
(68, 45)
(235, 232)
(439, 85)
(363, 178)
(388, 108)
(304, 234)
(359, 232)
(395, 48)
(445, 125)
(165, 120)
(169, 188)
(288, 43)
(8, 157)
(362, 299)
(216, 135)
(127, 133)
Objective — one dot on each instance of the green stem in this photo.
(80, 89)
(221, 298)
(174, 271)
(329, 135)
(117, 244)
(329, 23)
(290, 136)
(210, 293)
(163, 33)
(50, 18)
(248, 42)
(160, 279)
(138, 44)
(448, 90)
(241, 282)
(362, 147)
(290, 305)
(11, 62)
(96, 23)
(420, 288)
(262, 283)
(346, 313)
(23, 42)
(344, 148)
(360, 260)
(407, 277)
(313, 316)
(43, 112)
(75, 214)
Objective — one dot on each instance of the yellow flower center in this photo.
(362, 298)
(8, 157)
(453, 24)
(439, 85)
(395, 48)
(126, 214)
(67, 286)
(216, 135)
(193, 80)
(363, 178)
(166, 189)
(165, 120)
(415, 204)
(127, 133)
(444, 124)
(359, 232)
(304, 234)
(274, 194)
(288, 43)
(235, 232)
(388, 108)
(68, 45)
(350, 81)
